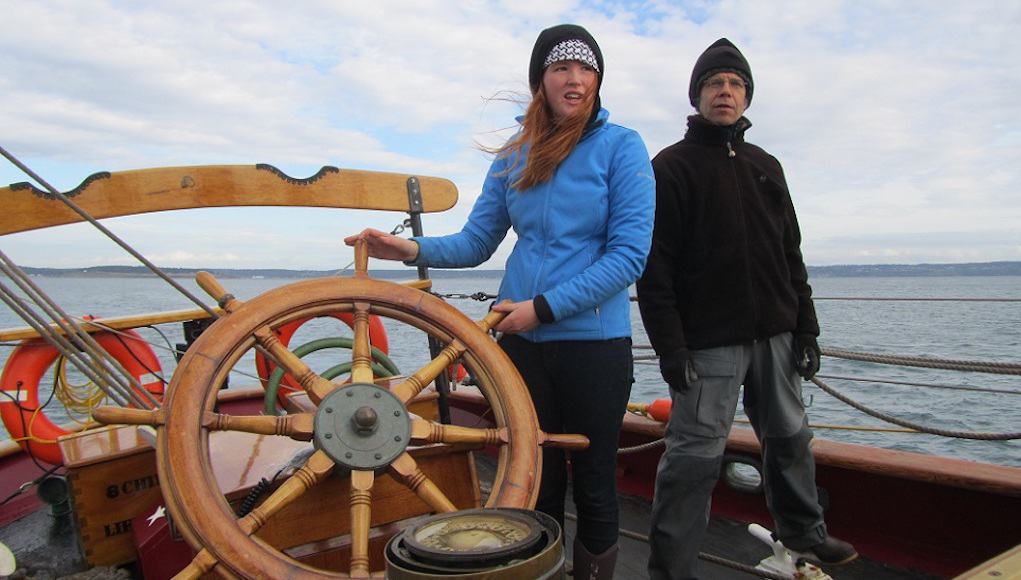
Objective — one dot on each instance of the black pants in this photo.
(579, 387)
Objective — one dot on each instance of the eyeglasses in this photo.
(717, 84)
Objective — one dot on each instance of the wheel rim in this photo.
(191, 488)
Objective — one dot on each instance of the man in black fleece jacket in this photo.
(725, 301)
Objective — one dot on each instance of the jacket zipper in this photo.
(744, 226)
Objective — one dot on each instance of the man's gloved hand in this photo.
(678, 370)
(806, 355)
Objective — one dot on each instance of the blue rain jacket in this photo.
(583, 236)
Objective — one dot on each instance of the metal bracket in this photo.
(415, 213)
(414, 196)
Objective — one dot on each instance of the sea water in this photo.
(986, 331)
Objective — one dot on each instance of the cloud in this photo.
(891, 121)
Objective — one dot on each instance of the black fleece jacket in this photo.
(725, 266)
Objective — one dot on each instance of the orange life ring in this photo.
(19, 404)
(265, 367)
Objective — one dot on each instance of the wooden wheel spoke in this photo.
(216, 291)
(315, 470)
(423, 431)
(361, 517)
(563, 440)
(361, 259)
(408, 472)
(201, 564)
(414, 384)
(361, 350)
(297, 426)
(316, 386)
(411, 387)
(125, 416)
(490, 320)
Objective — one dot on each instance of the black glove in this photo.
(806, 355)
(678, 370)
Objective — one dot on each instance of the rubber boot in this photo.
(589, 567)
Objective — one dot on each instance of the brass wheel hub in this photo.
(362, 426)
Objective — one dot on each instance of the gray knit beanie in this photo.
(721, 56)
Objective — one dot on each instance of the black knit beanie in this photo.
(721, 56)
(553, 36)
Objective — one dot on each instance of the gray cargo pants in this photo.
(700, 420)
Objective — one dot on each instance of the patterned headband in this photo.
(573, 49)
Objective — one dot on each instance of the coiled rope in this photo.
(77, 398)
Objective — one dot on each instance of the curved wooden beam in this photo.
(139, 191)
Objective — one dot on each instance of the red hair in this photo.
(551, 140)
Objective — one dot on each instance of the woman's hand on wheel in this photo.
(385, 246)
(521, 317)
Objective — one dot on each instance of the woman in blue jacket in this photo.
(580, 195)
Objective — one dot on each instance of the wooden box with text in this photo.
(112, 475)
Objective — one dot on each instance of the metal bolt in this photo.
(397, 438)
(329, 409)
(350, 393)
(377, 394)
(329, 435)
(365, 420)
(349, 455)
(379, 456)
(397, 413)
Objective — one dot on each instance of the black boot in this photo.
(589, 567)
(831, 551)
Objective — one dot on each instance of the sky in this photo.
(895, 121)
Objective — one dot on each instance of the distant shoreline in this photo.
(840, 271)
(272, 273)
(916, 270)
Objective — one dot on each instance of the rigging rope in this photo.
(914, 361)
(166, 348)
(910, 425)
(929, 385)
(123, 387)
(908, 299)
(124, 245)
(102, 368)
(927, 362)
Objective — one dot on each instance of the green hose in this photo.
(382, 366)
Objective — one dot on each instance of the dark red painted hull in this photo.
(912, 511)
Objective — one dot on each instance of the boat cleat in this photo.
(783, 562)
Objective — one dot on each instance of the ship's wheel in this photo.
(358, 428)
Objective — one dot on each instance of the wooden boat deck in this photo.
(728, 539)
(48, 542)
(725, 538)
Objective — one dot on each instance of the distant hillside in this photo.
(842, 271)
(893, 270)
(108, 271)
